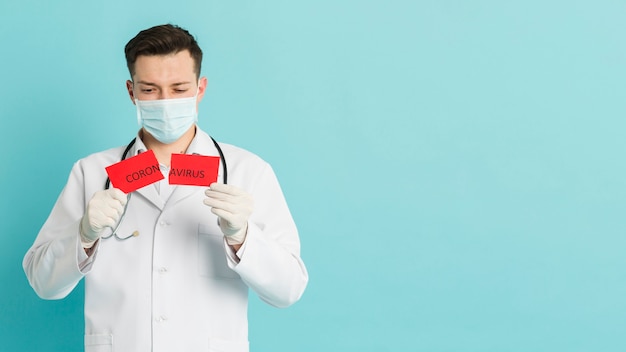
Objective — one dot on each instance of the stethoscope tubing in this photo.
(107, 185)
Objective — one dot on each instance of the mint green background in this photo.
(456, 168)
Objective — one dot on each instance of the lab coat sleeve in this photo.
(269, 261)
(56, 262)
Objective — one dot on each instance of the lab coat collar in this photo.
(201, 144)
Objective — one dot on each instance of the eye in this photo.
(147, 90)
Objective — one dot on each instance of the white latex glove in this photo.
(233, 207)
(103, 210)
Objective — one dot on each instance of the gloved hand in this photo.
(233, 207)
(103, 210)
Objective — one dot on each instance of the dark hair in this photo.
(162, 40)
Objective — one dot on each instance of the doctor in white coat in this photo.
(181, 283)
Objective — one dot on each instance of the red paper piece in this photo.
(133, 173)
(194, 170)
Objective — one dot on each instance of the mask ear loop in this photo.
(136, 101)
(196, 99)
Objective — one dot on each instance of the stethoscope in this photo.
(107, 185)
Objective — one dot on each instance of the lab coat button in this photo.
(161, 319)
(162, 270)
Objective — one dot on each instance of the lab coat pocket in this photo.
(98, 343)
(211, 254)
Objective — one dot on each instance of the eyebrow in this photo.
(154, 84)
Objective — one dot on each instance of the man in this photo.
(180, 281)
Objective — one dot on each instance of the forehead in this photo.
(165, 68)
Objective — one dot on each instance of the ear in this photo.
(129, 88)
(202, 84)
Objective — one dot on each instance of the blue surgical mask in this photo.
(167, 119)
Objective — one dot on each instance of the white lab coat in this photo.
(177, 286)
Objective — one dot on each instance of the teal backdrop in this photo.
(456, 168)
